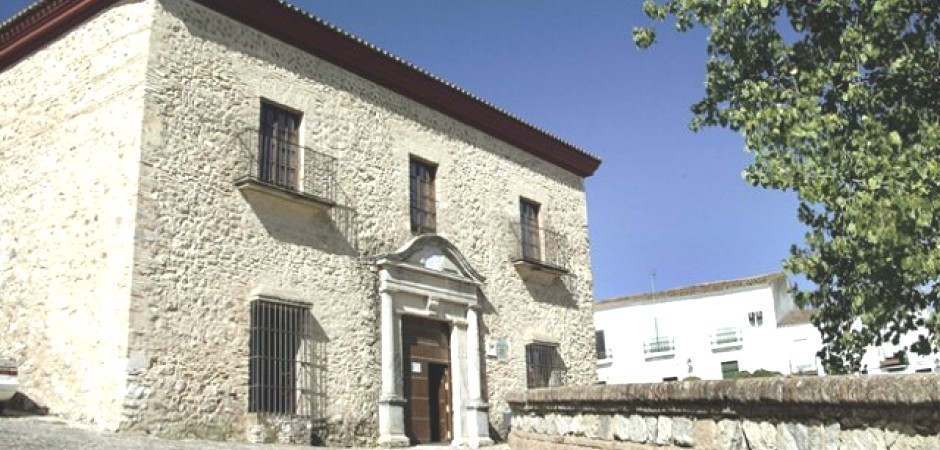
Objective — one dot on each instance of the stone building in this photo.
(229, 219)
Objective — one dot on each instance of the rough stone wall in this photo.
(202, 248)
(69, 146)
(850, 413)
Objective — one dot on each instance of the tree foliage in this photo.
(838, 101)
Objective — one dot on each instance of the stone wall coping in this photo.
(918, 390)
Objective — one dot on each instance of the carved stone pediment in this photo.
(432, 252)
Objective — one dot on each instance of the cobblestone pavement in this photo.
(43, 433)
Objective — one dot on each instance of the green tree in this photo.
(838, 101)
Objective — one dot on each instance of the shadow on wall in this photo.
(332, 229)
(318, 384)
(555, 292)
(22, 405)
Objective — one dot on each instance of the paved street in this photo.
(31, 433)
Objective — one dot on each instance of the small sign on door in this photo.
(415, 367)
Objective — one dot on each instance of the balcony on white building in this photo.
(727, 338)
(659, 347)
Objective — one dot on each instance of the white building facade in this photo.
(708, 331)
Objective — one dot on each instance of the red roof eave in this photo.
(48, 19)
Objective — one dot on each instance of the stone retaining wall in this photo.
(864, 412)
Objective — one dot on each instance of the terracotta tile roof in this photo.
(695, 289)
(45, 20)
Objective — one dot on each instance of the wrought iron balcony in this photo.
(605, 353)
(539, 250)
(726, 338)
(283, 168)
(659, 346)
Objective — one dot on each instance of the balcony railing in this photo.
(659, 346)
(727, 337)
(540, 246)
(287, 166)
(605, 353)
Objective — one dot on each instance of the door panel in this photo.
(426, 348)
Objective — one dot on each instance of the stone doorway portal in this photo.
(430, 303)
(426, 366)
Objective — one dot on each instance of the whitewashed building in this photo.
(708, 330)
(229, 219)
(897, 358)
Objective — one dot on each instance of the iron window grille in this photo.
(278, 144)
(728, 336)
(536, 244)
(544, 366)
(281, 360)
(659, 345)
(530, 231)
(423, 205)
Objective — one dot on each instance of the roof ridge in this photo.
(697, 288)
(44, 20)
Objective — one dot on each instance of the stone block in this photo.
(705, 433)
(862, 439)
(759, 435)
(683, 432)
(651, 428)
(730, 435)
(663, 430)
(793, 436)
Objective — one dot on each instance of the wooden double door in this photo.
(427, 379)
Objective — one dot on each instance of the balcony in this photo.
(659, 347)
(605, 357)
(893, 362)
(728, 338)
(280, 170)
(539, 252)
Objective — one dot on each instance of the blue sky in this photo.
(665, 199)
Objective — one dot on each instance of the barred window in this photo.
(544, 367)
(531, 233)
(281, 359)
(423, 205)
(278, 145)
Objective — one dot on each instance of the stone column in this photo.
(392, 401)
(477, 421)
(458, 338)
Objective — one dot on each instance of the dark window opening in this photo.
(544, 367)
(280, 360)
(668, 379)
(600, 345)
(278, 146)
(423, 207)
(531, 233)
